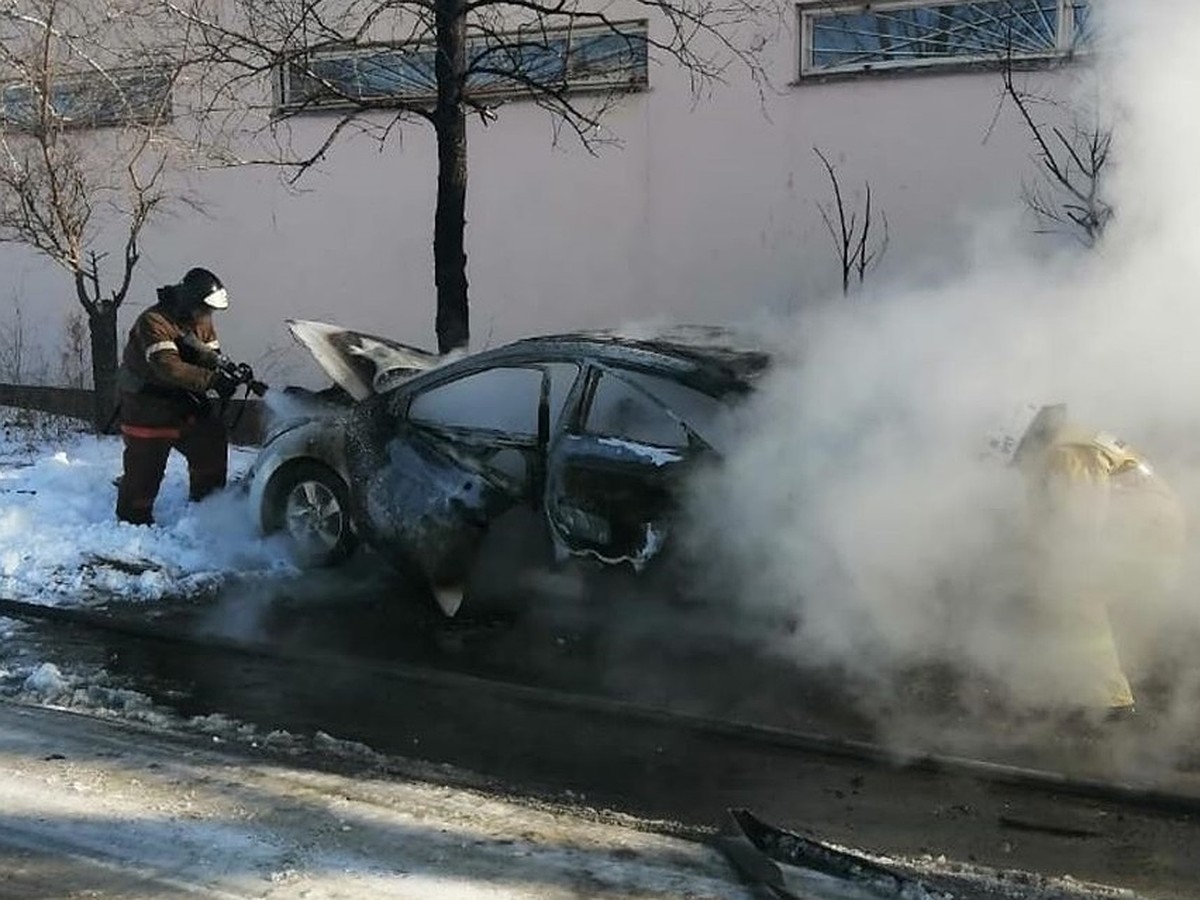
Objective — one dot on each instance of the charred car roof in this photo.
(710, 347)
(710, 358)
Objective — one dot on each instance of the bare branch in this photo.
(852, 236)
(89, 145)
(1073, 165)
(843, 233)
(369, 65)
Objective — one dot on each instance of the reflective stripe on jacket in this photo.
(166, 369)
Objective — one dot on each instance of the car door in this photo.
(614, 474)
(455, 455)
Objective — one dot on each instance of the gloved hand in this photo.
(243, 373)
(223, 383)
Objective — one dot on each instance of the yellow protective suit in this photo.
(1107, 536)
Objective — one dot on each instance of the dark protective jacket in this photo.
(166, 368)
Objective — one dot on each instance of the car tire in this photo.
(310, 503)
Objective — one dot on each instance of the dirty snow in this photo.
(60, 542)
(61, 545)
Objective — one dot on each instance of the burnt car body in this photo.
(582, 439)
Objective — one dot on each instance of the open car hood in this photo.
(362, 364)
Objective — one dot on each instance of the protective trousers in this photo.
(205, 445)
(1074, 652)
(1073, 658)
(1153, 627)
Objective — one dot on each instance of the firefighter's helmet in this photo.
(201, 287)
(1026, 427)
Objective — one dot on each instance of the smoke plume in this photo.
(859, 500)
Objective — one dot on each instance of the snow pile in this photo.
(46, 682)
(92, 691)
(60, 542)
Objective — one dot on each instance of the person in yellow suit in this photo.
(1105, 543)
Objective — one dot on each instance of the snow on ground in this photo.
(60, 542)
(61, 545)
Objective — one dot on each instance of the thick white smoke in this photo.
(858, 495)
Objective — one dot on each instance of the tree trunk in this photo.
(102, 326)
(450, 127)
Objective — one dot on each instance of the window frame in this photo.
(599, 372)
(460, 430)
(632, 78)
(1066, 46)
(400, 408)
(159, 110)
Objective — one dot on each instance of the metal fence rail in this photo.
(78, 403)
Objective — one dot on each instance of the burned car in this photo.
(433, 462)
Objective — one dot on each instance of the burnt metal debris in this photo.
(744, 833)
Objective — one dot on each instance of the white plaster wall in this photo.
(706, 213)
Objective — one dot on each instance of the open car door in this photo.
(462, 452)
(614, 478)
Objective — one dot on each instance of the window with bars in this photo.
(865, 37)
(513, 64)
(91, 100)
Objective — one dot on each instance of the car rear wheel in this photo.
(309, 502)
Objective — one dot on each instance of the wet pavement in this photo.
(344, 637)
(332, 623)
(317, 652)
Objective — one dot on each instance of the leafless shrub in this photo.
(1073, 158)
(859, 247)
(29, 429)
(73, 360)
(22, 359)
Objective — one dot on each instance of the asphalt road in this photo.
(638, 767)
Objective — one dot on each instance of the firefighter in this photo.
(1105, 545)
(168, 368)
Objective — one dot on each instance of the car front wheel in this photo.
(310, 504)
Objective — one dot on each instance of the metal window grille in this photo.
(862, 37)
(518, 63)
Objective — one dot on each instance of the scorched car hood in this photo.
(361, 364)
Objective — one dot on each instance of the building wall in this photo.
(706, 212)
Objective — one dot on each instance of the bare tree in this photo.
(377, 63)
(1072, 161)
(858, 247)
(85, 145)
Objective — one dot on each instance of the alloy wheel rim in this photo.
(314, 516)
